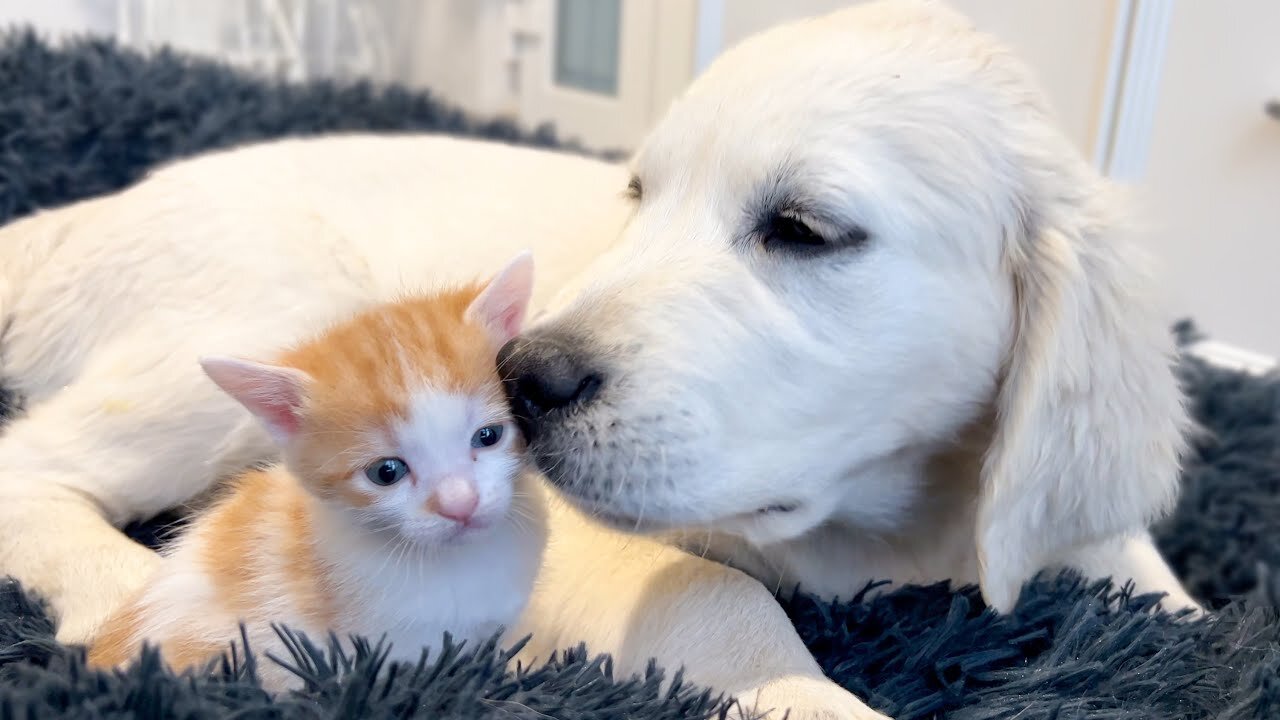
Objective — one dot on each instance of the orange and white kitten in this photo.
(402, 505)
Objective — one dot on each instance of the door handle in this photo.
(1273, 108)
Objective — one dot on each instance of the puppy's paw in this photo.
(803, 698)
(57, 544)
(94, 585)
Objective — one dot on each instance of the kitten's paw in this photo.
(806, 698)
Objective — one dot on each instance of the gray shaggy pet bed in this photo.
(89, 118)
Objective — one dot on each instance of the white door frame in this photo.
(1132, 92)
(708, 38)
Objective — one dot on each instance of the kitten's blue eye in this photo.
(487, 436)
(386, 471)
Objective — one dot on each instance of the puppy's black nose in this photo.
(543, 374)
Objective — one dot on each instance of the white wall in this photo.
(459, 50)
(1211, 189)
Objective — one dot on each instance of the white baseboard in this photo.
(1231, 357)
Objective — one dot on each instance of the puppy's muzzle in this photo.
(546, 377)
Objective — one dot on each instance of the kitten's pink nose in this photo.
(454, 498)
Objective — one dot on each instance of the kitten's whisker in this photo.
(644, 487)
(387, 557)
(367, 529)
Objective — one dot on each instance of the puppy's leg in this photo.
(58, 543)
(637, 599)
(136, 433)
(1137, 559)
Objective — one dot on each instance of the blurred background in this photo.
(1180, 98)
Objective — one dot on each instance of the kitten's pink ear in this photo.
(502, 305)
(274, 394)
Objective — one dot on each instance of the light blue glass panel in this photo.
(586, 55)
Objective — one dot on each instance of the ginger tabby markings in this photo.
(402, 505)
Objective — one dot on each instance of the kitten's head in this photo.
(397, 414)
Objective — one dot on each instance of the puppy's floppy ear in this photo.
(1090, 417)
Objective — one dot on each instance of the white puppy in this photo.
(872, 317)
(866, 316)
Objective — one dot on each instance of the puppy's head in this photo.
(854, 237)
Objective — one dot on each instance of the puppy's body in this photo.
(113, 300)
(961, 390)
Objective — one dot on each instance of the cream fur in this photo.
(983, 392)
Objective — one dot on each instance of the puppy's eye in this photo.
(634, 188)
(387, 471)
(787, 233)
